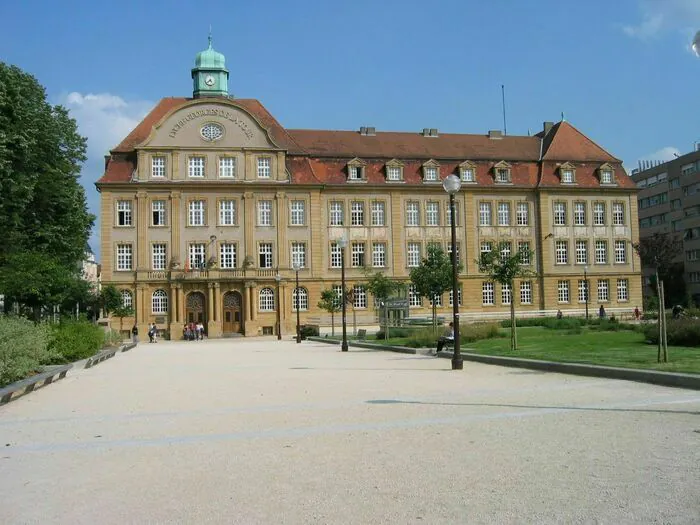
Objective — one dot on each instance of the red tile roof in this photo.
(586, 174)
(141, 132)
(565, 143)
(118, 170)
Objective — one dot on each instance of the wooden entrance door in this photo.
(233, 313)
(196, 308)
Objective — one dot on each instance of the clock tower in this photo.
(209, 74)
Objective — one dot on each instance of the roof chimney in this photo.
(547, 127)
(426, 132)
(495, 134)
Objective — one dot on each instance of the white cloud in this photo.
(659, 16)
(664, 154)
(105, 120)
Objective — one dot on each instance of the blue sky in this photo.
(621, 71)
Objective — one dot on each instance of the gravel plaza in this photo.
(265, 431)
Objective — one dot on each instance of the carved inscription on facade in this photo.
(211, 112)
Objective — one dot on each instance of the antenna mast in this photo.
(503, 101)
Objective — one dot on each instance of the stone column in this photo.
(281, 218)
(247, 303)
(217, 302)
(181, 304)
(249, 225)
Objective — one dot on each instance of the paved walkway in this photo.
(261, 431)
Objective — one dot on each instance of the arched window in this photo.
(303, 299)
(267, 300)
(160, 302)
(127, 299)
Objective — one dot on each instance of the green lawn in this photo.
(625, 349)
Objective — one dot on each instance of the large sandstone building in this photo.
(209, 202)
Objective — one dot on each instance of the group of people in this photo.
(152, 333)
(193, 332)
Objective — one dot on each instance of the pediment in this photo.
(394, 163)
(357, 162)
(606, 166)
(184, 128)
(502, 164)
(567, 166)
(467, 164)
(432, 163)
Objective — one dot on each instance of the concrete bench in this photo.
(101, 356)
(361, 334)
(28, 385)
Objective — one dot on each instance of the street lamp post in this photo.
(585, 287)
(343, 243)
(296, 267)
(451, 185)
(278, 278)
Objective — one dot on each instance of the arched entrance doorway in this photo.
(233, 313)
(196, 308)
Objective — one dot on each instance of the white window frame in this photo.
(125, 217)
(623, 290)
(357, 213)
(265, 213)
(359, 296)
(335, 213)
(579, 213)
(227, 213)
(485, 217)
(601, 252)
(227, 167)
(561, 249)
(393, 173)
(524, 249)
(582, 290)
(357, 259)
(414, 298)
(197, 213)
(379, 254)
(526, 292)
(412, 213)
(560, 213)
(432, 213)
(378, 213)
(581, 252)
(197, 255)
(486, 247)
(459, 297)
(125, 257)
(158, 208)
(618, 214)
(567, 176)
(504, 213)
(598, 214)
(158, 167)
(265, 259)
(228, 255)
(563, 292)
(303, 299)
(430, 174)
(603, 290)
(487, 294)
(127, 298)
(299, 254)
(297, 213)
(264, 167)
(336, 255)
(523, 214)
(506, 294)
(266, 300)
(195, 167)
(159, 302)
(159, 256)
(467, 174)
(413, 255)
(620, 252)
(606, 176)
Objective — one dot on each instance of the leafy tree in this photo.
(121, 312)
(504, 270)
(330, 303)
(381, 287)
(43, 212)
(110, 298)
(434, 276)
(658, 251)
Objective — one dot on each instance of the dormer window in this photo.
(356, 170)
(467, 171)
(606, 174)
(431, 171)
(394, 171)
(502, 172)
(567, 173)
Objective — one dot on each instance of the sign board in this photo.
(396, 304)
(160, 320)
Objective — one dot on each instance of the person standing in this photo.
(135, 334)
(150, 333)
(637, 314)
(601, 312)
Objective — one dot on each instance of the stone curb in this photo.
(680, 380)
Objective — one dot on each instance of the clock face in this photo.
(209, 80)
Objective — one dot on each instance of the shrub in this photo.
(679, 332)
(468, 333)
(75, 340)
(422, 338)
(113, 338)
(309, 330)
(565, 323)
(397, 332)
(24, 347)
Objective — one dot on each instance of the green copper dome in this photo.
(209, 74)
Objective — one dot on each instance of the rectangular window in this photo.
(227, 213)
(692, 255)
(412, 214)
(567, 176)
(603, 290)
(620, 251)
(336, 255)
(560, 214)
(579, 213)
(502, 175)
(431, 174)
(227, 256)
(359, 296)
(562, 252)
(355, 173)
(379, 254)
(601, 252)
(448, 215)
(393, 173)
(196, 167)
(158, 213)
(525, 253)
(197, 256)
(265, 255)
(506, 250)
(622, 290)
(581, 252)
(523, 214)
(486, 247)
(298, 213)
(196, 216)
(378, 213)
(618, 210)
(504, 214)
(468, 175)
(606, 177)
(227, 167)
(357, 214)
(413, 255)
(526, 292)
(484, 214)
(264, 167)
(487, 297)
(299, 254)
(124, 257)
(358, 254)
(506, 294)
(563, 291)
(599, 214)
(432, 214)
(124, 213)
(459, 297)
(437, 300)
(264, 213)
(413, 298)
(582, 290)
(158, 256)
(336, 213)
(158, 167)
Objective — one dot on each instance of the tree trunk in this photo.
(513, 335)
(664, 352)
(434, 307)
(658, 320)
(332, 324)
(386, 322)
(354, 321)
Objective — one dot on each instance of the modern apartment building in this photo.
(209, 202)
(669, 201)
